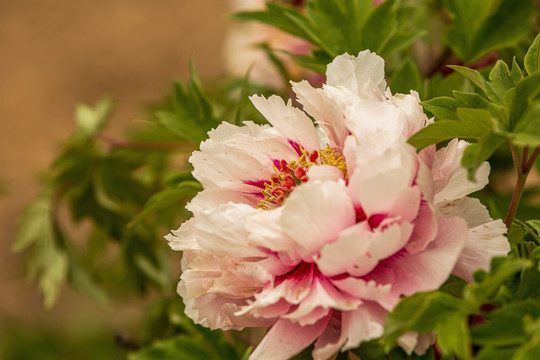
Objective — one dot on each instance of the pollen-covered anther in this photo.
(288, 175)
(301, 174)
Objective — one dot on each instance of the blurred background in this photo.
(54, 54)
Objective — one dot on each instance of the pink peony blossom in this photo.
(317, 231)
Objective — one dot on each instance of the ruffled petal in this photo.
(485, 242)
(425, 270)
(286, 338)
(354, 72)
(231, 149)
(362, 324)
(221, 231)
(291, 122)
(324, 110)
(358, 250)
(328, 208)
(470, 209)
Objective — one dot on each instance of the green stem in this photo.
(523, 168)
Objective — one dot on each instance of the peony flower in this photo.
(317, 231)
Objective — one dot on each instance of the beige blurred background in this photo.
(54, 53)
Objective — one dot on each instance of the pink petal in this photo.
(323, 297)
(362, 289)
(285, 339)
(358, 251)
(206, 310)
(425, 229)
(328, 208)
(425, 270)
(330, 341)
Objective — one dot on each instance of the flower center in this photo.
(288, 175)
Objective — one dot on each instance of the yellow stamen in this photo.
(280, 186)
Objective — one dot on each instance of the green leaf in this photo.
(504, 326)
(47, 264)
(380, 27)
(201, 344)
(487, 284)
(278, 15)
(244, 94)
(475, 154)
(192, 115)
(338, 24)
(152, 270)
(508, 24)
(500, 82)
(471, 74)
(473, 124)
(317, 61)
(405, 78)
(532, 58)
(444, 107)
(475, 101)
(168, 197)
(496, 353)
(453, 336)
(516, 74)
(527, 92)
(92, 119)
(420, 312)
(467, 17)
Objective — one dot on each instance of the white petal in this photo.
(324, 172)
(485, 242)
(409, 105)
(324, 110)
(353, 72)
(451, 181)
(368, 115)
(224, 158)
(470, 209)
(221, 231)
(183, 238)
(459, 186)
(362, 324)
(379, 194)
(291, 122)
(265, 231)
